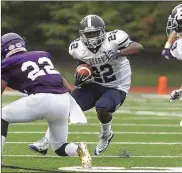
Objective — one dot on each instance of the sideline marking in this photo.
(97, 124)
(52, 156)
(117, 143)
(93, 133)
(121, 169)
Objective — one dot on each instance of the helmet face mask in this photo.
(92, 31)
(174, 22)
(171, 25)
(93, 38)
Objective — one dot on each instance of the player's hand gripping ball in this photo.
(84, 74)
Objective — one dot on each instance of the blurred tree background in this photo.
(52, 25)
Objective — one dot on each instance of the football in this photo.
(84, 69)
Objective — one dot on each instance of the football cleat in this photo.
(85, 158)
(103, 143)
(40, 146)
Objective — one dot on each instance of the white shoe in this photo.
(103, 143)
(85, 158)
(40, 146)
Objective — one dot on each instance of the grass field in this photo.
(147, 134)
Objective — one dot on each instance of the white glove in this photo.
(176, 94)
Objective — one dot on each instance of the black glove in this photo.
(80, 80)
(112, 54)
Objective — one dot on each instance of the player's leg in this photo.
(105, 106)
(58, 129)
(4, 131)
(85, 98)
(26, 109)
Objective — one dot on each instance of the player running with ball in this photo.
(106, 53)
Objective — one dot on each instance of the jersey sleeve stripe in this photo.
(120, 44)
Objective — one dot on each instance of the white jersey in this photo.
(115, 73)
(176, 49)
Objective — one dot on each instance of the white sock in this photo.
(71, 149)
(3, 138)
(181, 123)
(106, 128)
(47, 134)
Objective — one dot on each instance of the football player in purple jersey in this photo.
(33, 73)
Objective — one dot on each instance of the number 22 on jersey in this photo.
(36, 72)
(104, 74)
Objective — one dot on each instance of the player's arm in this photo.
(79, 63)
(3, 86)
(126, 47)
(170, 42)
(133, 48)
(67, 85)
(123, 46)
(79, 80)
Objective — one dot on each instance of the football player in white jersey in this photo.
(173, 47)
(106, 53)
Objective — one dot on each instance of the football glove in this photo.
(166, 53)
(112, 54)
(176, 94)
(80, 80)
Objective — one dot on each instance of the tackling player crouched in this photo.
(33, 73)
(173, 47)
(106, 53)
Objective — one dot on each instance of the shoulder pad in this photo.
(39, 53)
(120, 38)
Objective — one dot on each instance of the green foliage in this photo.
(56, 23)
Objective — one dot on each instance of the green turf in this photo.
(17, 156)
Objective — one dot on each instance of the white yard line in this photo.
(148, 107)
(93, 133)
(147, 113)
(97, 124)
(156, 113)
(52, 156)
(152, 108)
(144, 117)
(147, 167)
(117, 143)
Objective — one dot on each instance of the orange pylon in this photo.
(162, 85)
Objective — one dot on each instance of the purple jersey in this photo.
(31, 73)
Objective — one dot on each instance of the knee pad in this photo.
(103, 107)
(61, 151)
(110, 101)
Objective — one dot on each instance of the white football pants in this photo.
(55, 108)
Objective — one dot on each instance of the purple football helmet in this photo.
(11, 43)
